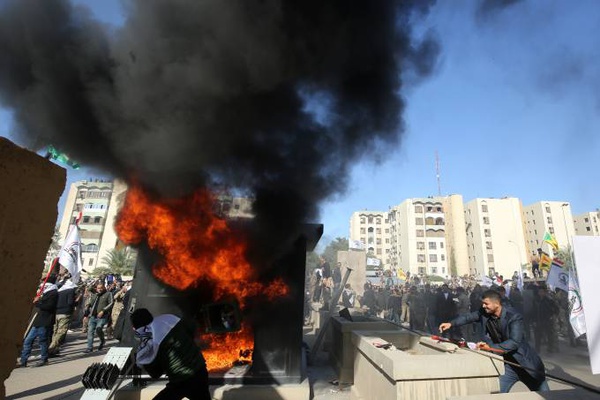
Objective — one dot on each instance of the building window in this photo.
(97, 220)
(587, 228)
(363, 231)
(362, 221)
(551, 229)
(484, 208)
(420, 233)
(487, 233)
(429, 221)
(379, 251)
(370, 240)
(370, 220)
(488, 245)
(378, 221)
(439, 209)
(490, 257)
(586, 219)
(387, 241)
(378, 231)
(370, 230)
(419, 209)
(378, 241)
(420, 245)
(548, 209)
(91, 262)
(486, 220)
(387, 231)
(434, 270)
(419, 221)
(422, 270)
(86, 219)
(432, 246)
(549, 220)
(441, 245)
(443, 257)
(443, 270)
(421, 258)
(429, 209)
(433, 258)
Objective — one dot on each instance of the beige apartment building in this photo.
(587, 224)
(372, 229)
(554, 217)
(93, 198)
(495, 235)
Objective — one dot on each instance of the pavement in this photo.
(61, 378)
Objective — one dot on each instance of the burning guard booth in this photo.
(277, 356)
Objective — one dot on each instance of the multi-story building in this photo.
(97, 201)
(456, 238)
(371, 228)
(495, 236)
(418, 242)
(587, 224)
(554, 217)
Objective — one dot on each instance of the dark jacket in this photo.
(66, 301)
(513, 339)
(105, 303)
(445, 307)
(178, 356)
(46, 309)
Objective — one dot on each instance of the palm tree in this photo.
(119, 261)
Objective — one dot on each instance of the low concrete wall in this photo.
(343, 351)
(419, 371)
(28, 211)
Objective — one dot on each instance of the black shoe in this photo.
(88, 351)
(41, 363)
(101, 346)
(21, 365)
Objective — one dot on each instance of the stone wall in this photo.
(31, 187)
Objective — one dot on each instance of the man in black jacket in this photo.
(167, 347)
(504, 334)
(43, 320)
(100, 304)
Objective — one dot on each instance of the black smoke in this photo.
(276, 97)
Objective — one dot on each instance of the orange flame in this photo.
(196, 246)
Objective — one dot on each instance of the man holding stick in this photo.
(504, 334)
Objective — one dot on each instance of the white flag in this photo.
(373, 262)
(576, 316)
(487, 281)
(356, 245)
(70, 254)
(558, 278)
(520, 281)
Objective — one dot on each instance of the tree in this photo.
(330, 252)
(119, 261)
(312, 260)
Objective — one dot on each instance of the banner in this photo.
(585, 249)
(70, 254)
(373, 262)
(576, 316)
(558, 278)
(356, 245)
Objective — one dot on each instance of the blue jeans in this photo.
(95, 325)
(514, 374)
(41, 333)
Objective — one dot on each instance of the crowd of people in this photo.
(93, 306)
(423, 306)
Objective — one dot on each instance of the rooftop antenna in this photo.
(437, 173)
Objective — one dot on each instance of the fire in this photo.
(197, 247)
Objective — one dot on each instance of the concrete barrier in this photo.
(418, 370)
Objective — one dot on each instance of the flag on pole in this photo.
(356, 245)
(551, 240)
(558, 278)
(520, 281)
(545, 260)
(401, 274)
(54, 154)
(70, 254)
(576, 316)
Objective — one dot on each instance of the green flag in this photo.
(54, 154)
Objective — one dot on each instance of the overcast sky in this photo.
(513, 109)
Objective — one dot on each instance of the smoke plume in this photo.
(276, 97)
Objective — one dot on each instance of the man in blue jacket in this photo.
(504, 332)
